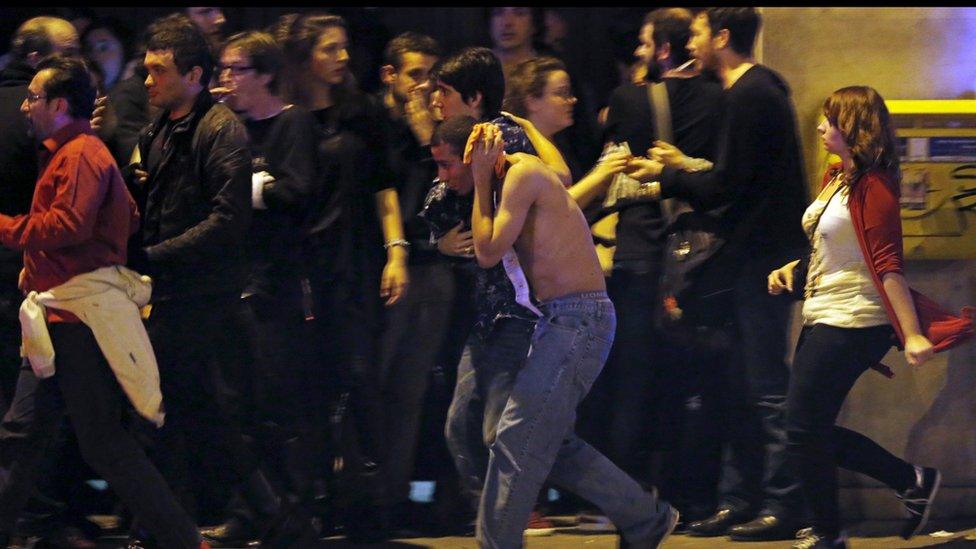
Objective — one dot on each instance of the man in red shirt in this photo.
(79, 221)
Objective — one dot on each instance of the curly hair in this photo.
(859, 112)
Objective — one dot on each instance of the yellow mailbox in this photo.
(937, 145)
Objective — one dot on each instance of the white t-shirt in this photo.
(839, 290)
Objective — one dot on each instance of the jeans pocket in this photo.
(567, 322)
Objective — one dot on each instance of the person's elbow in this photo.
(485, 257)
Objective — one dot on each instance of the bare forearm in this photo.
(483, 227)
(388, 211)
(593, 185)
(901, 301)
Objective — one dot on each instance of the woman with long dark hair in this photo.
(357, 252)
(857, 305)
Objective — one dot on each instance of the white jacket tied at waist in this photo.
(107, 300)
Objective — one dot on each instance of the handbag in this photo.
(693, 240)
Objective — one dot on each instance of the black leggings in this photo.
(828, 361)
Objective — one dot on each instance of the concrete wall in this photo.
(927, 415)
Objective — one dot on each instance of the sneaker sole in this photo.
(928, 508)
(538, 532)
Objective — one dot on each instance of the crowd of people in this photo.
(318, 257)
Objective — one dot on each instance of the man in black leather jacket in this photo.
(193, 188)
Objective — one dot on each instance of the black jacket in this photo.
(18, 155)
(758, 172)
(196, 204)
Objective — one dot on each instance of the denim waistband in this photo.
(579, 300)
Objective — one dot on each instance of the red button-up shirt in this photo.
(81, 215)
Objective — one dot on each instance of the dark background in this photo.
(594, 32)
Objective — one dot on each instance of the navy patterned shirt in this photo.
(444, 209)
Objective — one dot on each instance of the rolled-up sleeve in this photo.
(882, 225)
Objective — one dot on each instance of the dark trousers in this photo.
(633, 413)
(62, 470)
(184, 335)
(828, 362)
(756, 475)
(86, 388)
(347, 329)
(414, 333)
(286, 378)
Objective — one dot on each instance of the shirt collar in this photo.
(66, 133)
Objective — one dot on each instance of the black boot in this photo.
(281, 525)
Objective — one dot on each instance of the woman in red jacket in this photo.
(857, 305)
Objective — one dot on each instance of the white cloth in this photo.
(839, 289)
(258, 180)
(107, 300)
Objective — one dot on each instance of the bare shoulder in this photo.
(528, 169)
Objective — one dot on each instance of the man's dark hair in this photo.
(30, 37)
(189, 46)
(70, 78)
(538, 25)
(266, 55)
(407, 42)
(672, 26)
(454, 132)
(742, 23)
(474, 70)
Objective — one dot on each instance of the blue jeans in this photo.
(485, 377)
(535, 440)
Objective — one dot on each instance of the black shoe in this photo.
(235, 532)
(918, 499)
(764, 528)
(811, 539)
(717, 524)
(291, 527)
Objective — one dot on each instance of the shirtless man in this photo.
(535, 438)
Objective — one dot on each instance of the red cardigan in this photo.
(875, 213)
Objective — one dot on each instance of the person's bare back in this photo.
(553, 241)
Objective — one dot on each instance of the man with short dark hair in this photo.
(758, 177)
(194, 189)
(515, 34)
(210, 21)
(80, 220)
(496, 313)
(535, 437)
(634, 412)
(415, 327)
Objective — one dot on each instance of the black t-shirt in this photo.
(284, 146)
(415, 173)
(696, 113)
(160, 141)
(353, 165)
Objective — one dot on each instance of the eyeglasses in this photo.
(33, 97)
(564, 94)
(235, 69)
